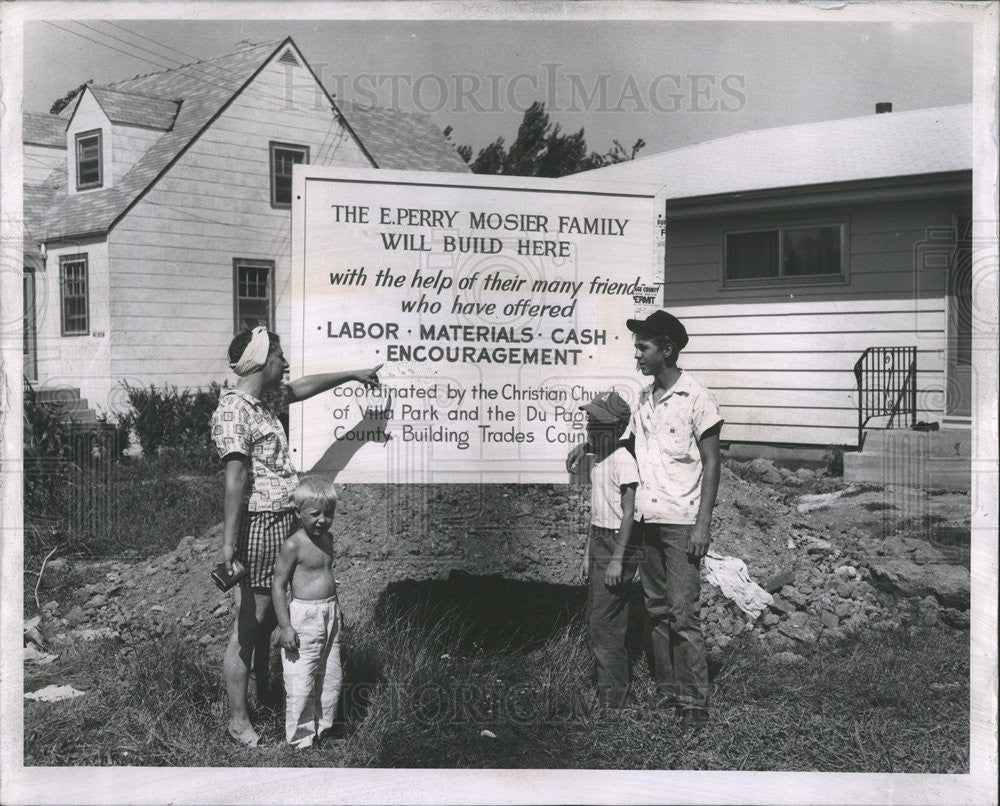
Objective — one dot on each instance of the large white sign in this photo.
(496, 304)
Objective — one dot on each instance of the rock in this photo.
(788, 658)
(804, 474)
(843, 609)
(799, 632)
(520, 564)
(778, 581)
(926, 553)
(798, 619)
(793, 594)
(846, 571)
(56, 566)
(206, 639)
(50, 608)
(956, 619)
(220, 611)
(150, 570)
(829, 620)
(764, 470)
(76, 616)
(782, 605)
(817, 545)
(949, 584)
(96, 601)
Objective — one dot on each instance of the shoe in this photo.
(247, 737)
(693, 719)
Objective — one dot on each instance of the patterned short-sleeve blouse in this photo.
(243, 425)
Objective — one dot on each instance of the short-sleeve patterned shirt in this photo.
(243, 425)
(666, 449)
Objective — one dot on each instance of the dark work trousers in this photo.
(607, 617)
(671, 581)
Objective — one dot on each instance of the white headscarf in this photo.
(255, 355)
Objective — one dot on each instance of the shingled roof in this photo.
(43, 130)
(188, 98)
(401, 140)
(135, 109)
(898, 144)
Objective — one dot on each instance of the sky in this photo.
(672, 83)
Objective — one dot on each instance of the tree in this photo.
(541, 149)
(65, 101)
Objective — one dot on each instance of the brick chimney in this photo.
(883, 107)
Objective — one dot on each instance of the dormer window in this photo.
(89, 170)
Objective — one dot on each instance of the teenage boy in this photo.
(676, 425)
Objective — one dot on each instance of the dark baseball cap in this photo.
(608, 407)
(661, 323)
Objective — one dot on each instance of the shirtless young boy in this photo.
(310, 624)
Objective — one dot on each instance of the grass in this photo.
(133, 509)
(423, 681)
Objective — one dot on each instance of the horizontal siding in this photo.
(173, 284)
(783, 365)
(886, 246)
(790, 434)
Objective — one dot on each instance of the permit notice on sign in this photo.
(497, 306)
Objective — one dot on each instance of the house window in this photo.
(73, 295)
(283, 157)
(253, 287)
(89, 173)
(785, 255)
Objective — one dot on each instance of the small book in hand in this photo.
(224, 581)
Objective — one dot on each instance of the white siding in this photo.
(87, 117)
(780, 360)
(76, 361)
(173, 252)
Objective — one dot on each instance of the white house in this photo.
(157, 213)
(790, 251)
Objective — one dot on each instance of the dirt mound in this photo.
(824, 554)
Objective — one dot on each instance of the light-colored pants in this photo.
(312, 672)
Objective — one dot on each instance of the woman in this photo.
(258, 514)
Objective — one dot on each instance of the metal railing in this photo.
(887, 386)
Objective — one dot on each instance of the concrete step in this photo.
(939, 460)
(950, 442)
(60, 394)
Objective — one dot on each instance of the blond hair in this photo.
(314, 489)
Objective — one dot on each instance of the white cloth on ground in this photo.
(731, 576)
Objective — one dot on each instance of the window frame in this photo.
(254, 263)
(780, 280)
(64, 260)
(273, 148)
(79, 138)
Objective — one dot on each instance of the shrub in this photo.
(175, 422)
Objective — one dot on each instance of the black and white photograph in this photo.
(476, 403)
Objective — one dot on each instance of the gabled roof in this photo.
(134, 109)
(43, 130)
(205, 87)
(895, 144)
(193, 95)
(401, 140)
